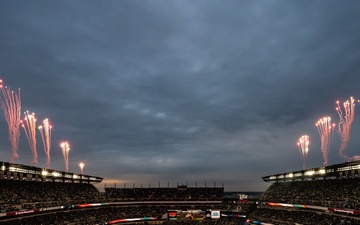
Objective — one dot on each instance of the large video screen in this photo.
(186, 214)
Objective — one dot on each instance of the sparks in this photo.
(45, 132)
(326, 131)
(30, 131)
(65, 150)
(11, 105)
(346, 119)
(303, 145)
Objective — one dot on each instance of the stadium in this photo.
(323, 195)
(179, 112)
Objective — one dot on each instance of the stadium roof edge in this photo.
(31, 173)
(336, 171)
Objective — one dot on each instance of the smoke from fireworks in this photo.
(29, 125)
(303, 144)
(45, 132)
(346, 119)
(326, 131)
(11, 104)
(65, 150)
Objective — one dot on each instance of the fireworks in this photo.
(346, 119)
(303, 144)
(30, 130)
(11, 104)
(326, 131)
(65, 150)
(81, 165)
(45, 132)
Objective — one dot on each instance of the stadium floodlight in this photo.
(297, 174)
(44, 173)
(55, 174)
(356, 166)
(309, 173)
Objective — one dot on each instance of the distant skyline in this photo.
(181, 91)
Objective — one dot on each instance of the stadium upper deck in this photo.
(337, 171)
(32, 173)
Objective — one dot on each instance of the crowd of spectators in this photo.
(224, 221)
(327, 193)
(102, 215)
(339, 193)
(176, 194)
(20, 194)
(282, 216)
(26, 195)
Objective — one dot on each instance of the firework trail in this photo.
(81, 165)
(326, 131)
(303, 144)
(11, 104)
(65, 150)
(346, 119)
(30, 130)
(45, 132)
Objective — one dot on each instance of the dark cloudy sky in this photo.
(181, 91)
